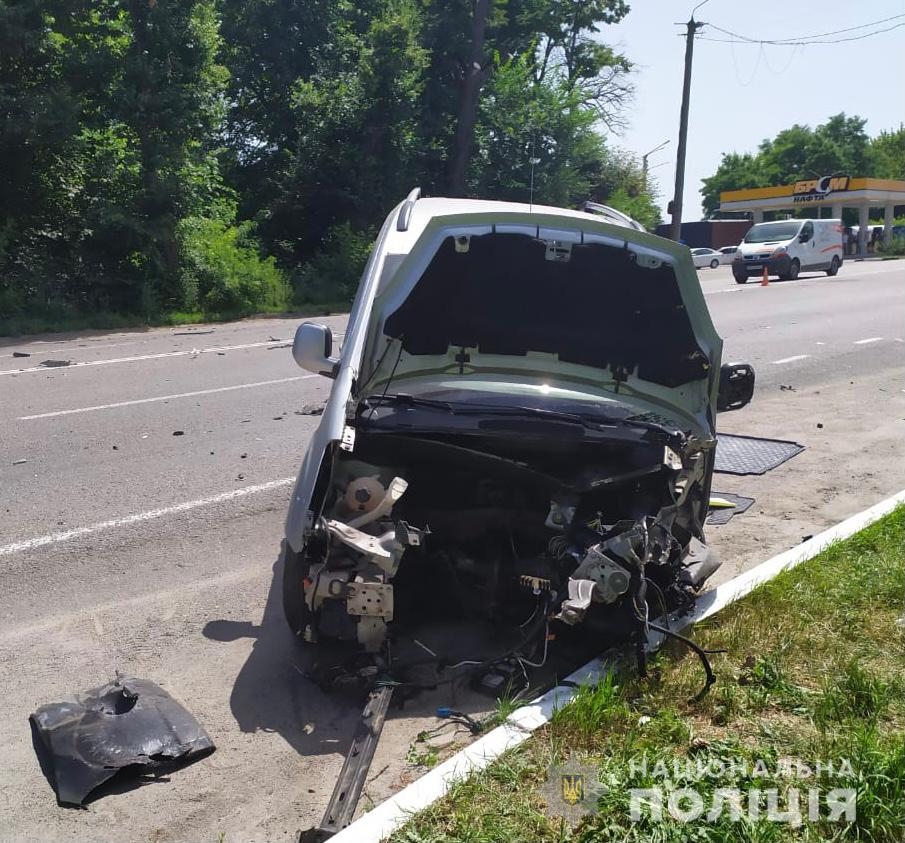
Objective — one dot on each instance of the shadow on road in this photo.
(272, 693)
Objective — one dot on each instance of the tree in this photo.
(598, 74)
(148, 144)
(736, 172)
(169, 101)
(473, 78)
(468, 43)
(887, 154)
(840, 145)
(359, 139)
(623, 185)
(38, 119)
(534, 140)
(267, 48)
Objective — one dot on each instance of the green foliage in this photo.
(521, 121)
(182, 156)
(623, 185)
(333, 273)
(840, 145)
(223, 271)
(894, 247)
(887, 152)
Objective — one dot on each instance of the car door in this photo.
(808, 246)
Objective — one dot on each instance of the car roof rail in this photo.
(611, 215)
(405, 212)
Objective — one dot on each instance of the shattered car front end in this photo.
(520, 437)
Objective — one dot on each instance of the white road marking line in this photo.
(162, 398)
(80, 347)
(869, 339)
(158, 356)
(139, 517)
(791, 359)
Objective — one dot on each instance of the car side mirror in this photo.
(736, 386)
(803, 237)
(312, 349)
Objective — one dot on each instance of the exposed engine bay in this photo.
(548, 536)
(513, 468)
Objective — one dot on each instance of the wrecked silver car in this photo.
(520, 436)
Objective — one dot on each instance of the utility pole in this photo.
(675, 207)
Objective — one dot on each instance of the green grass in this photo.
(813, 673)
(71, 320)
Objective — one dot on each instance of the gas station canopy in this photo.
(835, 192)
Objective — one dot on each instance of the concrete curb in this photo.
(397, 810)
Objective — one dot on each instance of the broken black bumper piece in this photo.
(127, 724)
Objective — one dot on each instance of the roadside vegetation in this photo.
(200, 159)
(813, 673)
(894, 248)
(204, 159)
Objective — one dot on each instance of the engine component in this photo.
(372, 546)
(371, 633)
(535, 584)
(700, 563)
(577, 603)
(384, 506)
(671, 459)
(610, 579)
(634, 545)
(560, 515)
(363, 494)
(370, 599)
(349, 592)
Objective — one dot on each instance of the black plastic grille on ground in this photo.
(722, 516)
(752, 455)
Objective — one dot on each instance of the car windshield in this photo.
(770, 231)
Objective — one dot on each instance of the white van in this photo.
(787, 247)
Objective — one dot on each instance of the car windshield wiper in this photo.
(403, 399)
(586, 420)
(589, 421)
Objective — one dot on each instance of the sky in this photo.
(742, 94)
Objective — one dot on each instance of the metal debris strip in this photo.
(724, 516)
(127, 723)
(751, 454)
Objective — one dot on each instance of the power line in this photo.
(805, 41)
(853, 28)
(809, 37)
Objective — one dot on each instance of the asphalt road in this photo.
(144, 487)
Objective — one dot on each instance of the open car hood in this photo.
(523, 295)
(547, 298)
